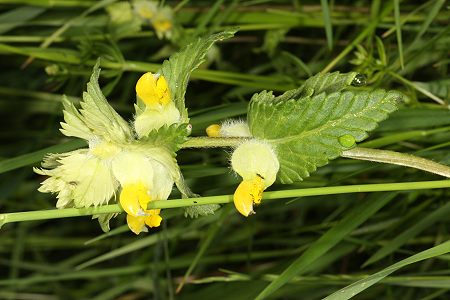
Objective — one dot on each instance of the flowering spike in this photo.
(153, 89)
(248, 192)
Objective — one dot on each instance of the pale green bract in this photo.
(201, 210)
(96, 117)
(305, 125)
(178, 68)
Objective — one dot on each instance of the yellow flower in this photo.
(153, 90)
(256, 162)
(115, 161)
(142, 179)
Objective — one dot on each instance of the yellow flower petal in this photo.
(136, 224)
(153, 89)
(153, 221)
(134, 199)
(213, 130)
(248, 192)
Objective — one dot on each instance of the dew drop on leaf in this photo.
(359, 80)
(347, 140)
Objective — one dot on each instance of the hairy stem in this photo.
(397, 158)
(207, 142)
(176, 203)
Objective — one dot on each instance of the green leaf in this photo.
(18, 17)
(359, 286)
(319, 83)
(200, 210)
(330, 82)
(178, 68)
(307, 133)
(103, 220)
(168, 137)
(97, 117)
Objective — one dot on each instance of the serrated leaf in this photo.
(169, 137)
(178, 68)
(97, 117)
(328, 83)
(200, 210)
(103, 220)
(306, 132)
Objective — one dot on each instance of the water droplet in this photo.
(347, 140)
(359, 80)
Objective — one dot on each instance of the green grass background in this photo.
(318, 244)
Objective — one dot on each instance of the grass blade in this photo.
(359, 286)
(398, 29)
(328, 25)
(331, 238)
(411, 232)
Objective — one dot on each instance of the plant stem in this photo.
(396, 158)
(375, 155)
(177, 203)
(206, 142)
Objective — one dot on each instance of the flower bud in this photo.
(229, 128)
(160, 110)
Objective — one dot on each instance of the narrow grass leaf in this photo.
(212, 232)
(134, 246)
(359, 286)
(398, 30)
(18, 16)
(401, 239)
(430, 16)
(358, 215)
(328, 25)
